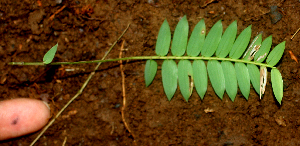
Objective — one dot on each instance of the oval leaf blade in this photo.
(169, 77)
(216, 77)
(241, 43)
(264, 50)
(197, 39)
(230, 79)
(254, 77)
(276, 54)
(150, 71)
(227, 40)
(212, 40)
(277, 84)
(48, 57)
(163, 39)
(185, 78)
(200, 77)
(243, 78)
(180, 37)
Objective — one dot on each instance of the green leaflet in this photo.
(240, 43)
(169, 77)
(243, 78)
(264, 50)
(180, 37)
(150, 71)
(254, 77)
(277, 84)
(253, 48)
(200, 77)
(197, 39)
(48, 57)
(163, 39)
(230, 79)
(216, 77)
(212, 40)
(185, 78)
(276, 54)
(227, 40)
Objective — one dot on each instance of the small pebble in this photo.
(117, 105)
(58, 1)
(45, 97)
(81, 30)
(150, 2)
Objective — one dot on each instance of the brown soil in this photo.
(86, 29)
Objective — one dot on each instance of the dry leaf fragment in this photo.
(280, 121)
(254, 51)
(293, 56)
(207, 2)
(208, 110)
(263, 81)
(70, 113)
(3, 79)
(261, 57)
(39, 3)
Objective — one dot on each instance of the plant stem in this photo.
(146, 58)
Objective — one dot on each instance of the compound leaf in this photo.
(169, 77)
(185, 78)
(212, 40)
(180, 37)
(200, 77)
(277, 84)
(197, 39)
(150, 71)
(48, 57)
(224, 75)
(163, 39)
(216, 77)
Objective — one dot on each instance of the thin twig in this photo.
(79, 92)
(65, 141)
(53, 15)
(295, 33)
(124, 93)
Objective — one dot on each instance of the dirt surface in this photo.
(85, 29)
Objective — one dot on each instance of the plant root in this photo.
(124, 93)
